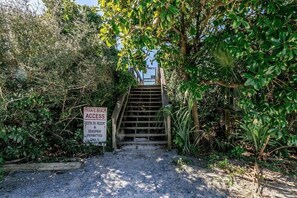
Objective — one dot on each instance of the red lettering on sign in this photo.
(95, 116)
(95, 109)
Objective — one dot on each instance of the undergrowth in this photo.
(235, 162)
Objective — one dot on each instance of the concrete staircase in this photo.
(141, 123)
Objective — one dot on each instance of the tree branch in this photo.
(211, 12)
(261, 153)
(196, 10)
(282, 147)
(178, 32)
(221, 83)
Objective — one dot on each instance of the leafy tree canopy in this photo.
(248, 46)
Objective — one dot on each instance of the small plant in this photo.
(216, 161)
(213, 158)
(237, 152)
(181, 162)
(225, 61)
(182, 128)
(223, 164)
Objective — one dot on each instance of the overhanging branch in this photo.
(221, 83)
(210, 14)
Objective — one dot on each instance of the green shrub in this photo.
(50, 68)
(183, 129)
(125, 79)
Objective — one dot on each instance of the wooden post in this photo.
(114, 129)
(165, 102)
(169, 132)
(117, 116)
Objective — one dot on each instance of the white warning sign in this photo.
(95, 119)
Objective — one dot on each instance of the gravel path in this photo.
(127, 173)
(143, 172)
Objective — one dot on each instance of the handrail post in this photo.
(114, 129)
(117, 116)
(165, 102)
(168, 119)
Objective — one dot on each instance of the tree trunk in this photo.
(195, 115)
(184, 52)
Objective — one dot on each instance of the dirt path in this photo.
(148, 172)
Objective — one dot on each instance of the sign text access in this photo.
(95, 125)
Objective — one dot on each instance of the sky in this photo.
(81, 2)
(38, 3)
(87, 2)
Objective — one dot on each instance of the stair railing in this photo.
(118, 112)
(136, 75)
(165, 102)
(117, 116)
(152, 80)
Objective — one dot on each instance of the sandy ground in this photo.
(142, 172)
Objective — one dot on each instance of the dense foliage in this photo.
(236, 59)
(230, 66)
(261, 36)
(52, 64)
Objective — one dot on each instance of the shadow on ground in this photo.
(127, 173)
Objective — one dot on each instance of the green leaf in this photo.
(163, 15)
(102, 3)
(192, 31)
(168, 17)
(173, 9)
(249, 82)
(19, 139)
(232, 16)
(141, 9)
(270, 70)
(108, 43)
(245, 24)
